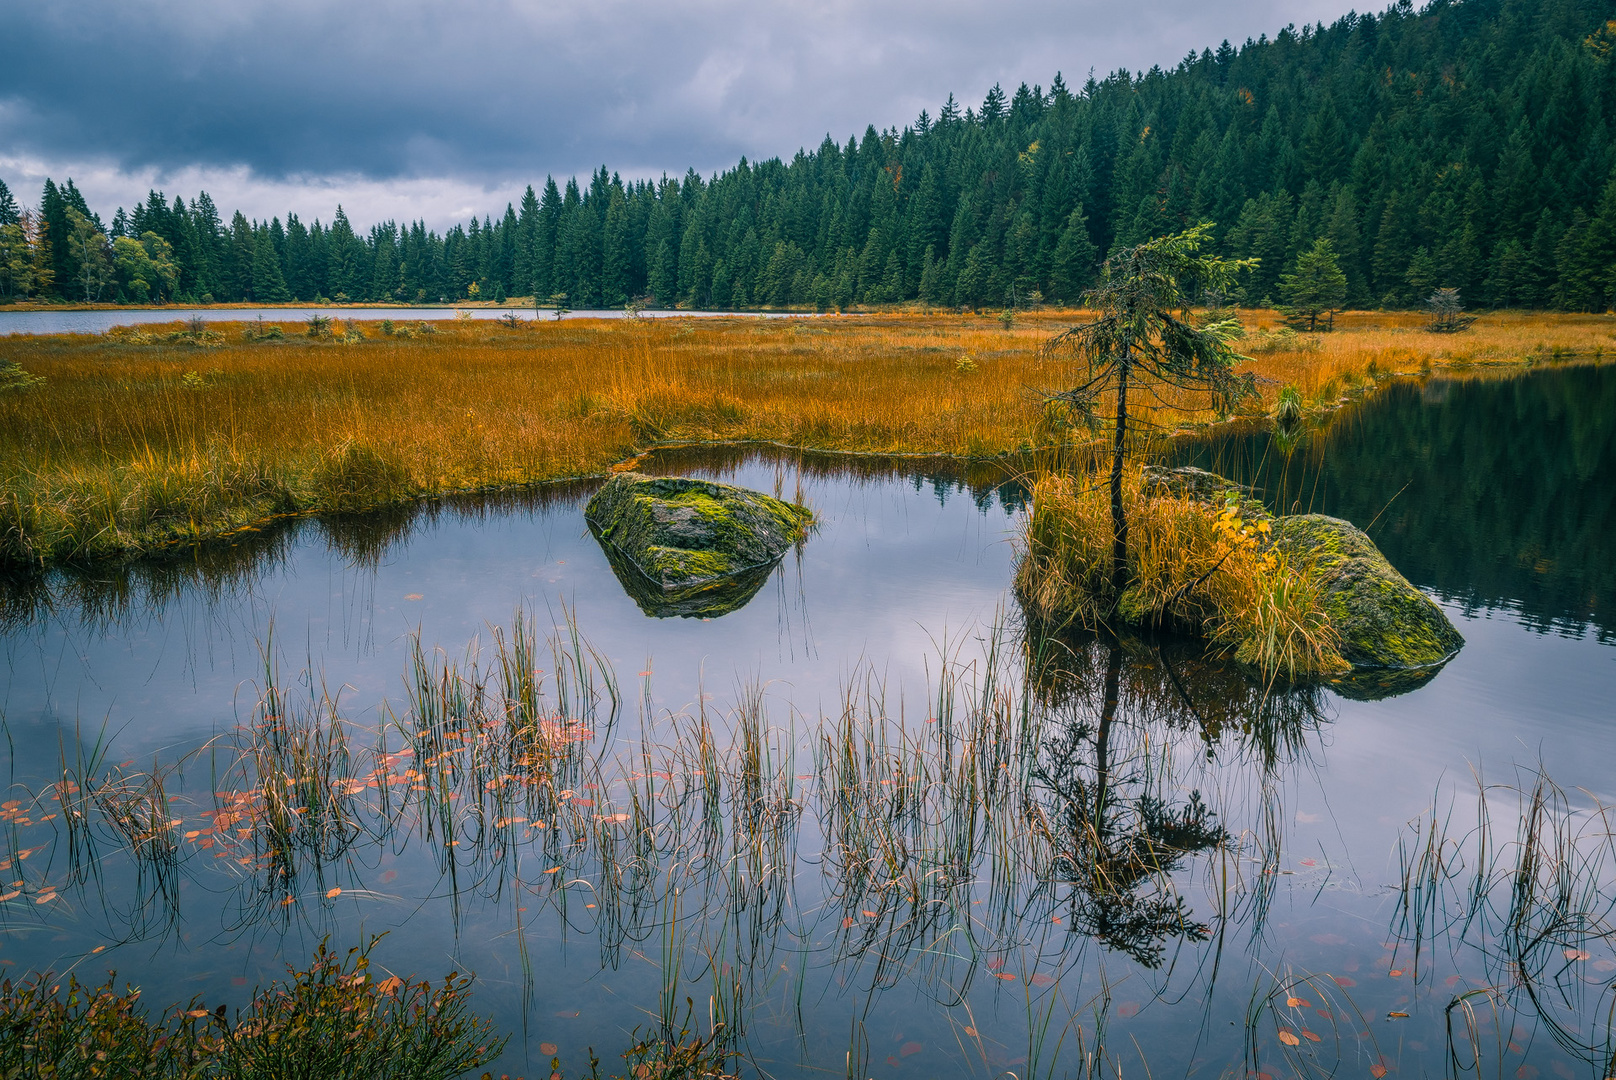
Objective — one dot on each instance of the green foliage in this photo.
(334, 1021)
(1316, 288)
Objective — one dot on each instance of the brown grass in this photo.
(1205, 569)
(140, 439)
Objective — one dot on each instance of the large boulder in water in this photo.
(1384, 622)
(697, 545)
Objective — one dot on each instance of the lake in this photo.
(864, 821)
(100, 321)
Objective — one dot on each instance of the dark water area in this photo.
(861, 819)
(1496, 493)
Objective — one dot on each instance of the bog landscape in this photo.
(1113, 581)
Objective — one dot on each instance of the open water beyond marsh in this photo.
(861, 821)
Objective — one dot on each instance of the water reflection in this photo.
(1493, 491)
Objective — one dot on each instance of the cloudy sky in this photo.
(438, 110)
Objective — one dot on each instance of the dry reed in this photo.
(137, 439)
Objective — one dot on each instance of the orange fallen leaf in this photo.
(1004, 975)
(553, 870)
(847, 922)
(971, 1031)
(1310, 1036)
(1397, 1016)
(1041, 979)
(1298, 1003)
(390, 985)
(1342, 980)
(289, 901)
(868, 914)
(1288, 1037)
(412, 596)
(44, 898)
(12, 895)
(1395, 972)
(333, 892)
(548, 1049)
(97, 949)
(909, 1049)
(1575, 954)
(1377, 1070)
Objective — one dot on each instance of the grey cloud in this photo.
(514, 89)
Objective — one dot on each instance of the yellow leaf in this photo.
(1288, 1037)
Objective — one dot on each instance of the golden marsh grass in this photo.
(138, 439)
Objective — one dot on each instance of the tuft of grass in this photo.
(332, 1020)
(1195, 567)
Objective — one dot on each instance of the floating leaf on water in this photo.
(971, 1031)
(1128, 1008)
(97, 949)
(569, 1014)
(1042, 979)
(909, 1049)
(548, 1049)
(390, 985)
(1395, 972)
(890, 1061)
(1453, 980)
(413, 596)
(1342, 980)
(1311, 1036)
(388, 875)
(1377, 1070)
(553, 870)
(1526, 1072)
(1397, 1016)
(44, 898)
(847, 922)
(289, 901)
(333, 892)
(1298, 1003)
(1288, 1037)
(197, 1014)
(868, 914)
(1575, 954)
(1004, 975)
(12, 895)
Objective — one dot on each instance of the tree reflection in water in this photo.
(1118, 832)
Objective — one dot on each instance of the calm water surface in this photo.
(99, 322)
(954, 852)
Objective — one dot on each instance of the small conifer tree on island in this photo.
(1145, 339)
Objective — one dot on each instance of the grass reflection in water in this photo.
(1050, 861)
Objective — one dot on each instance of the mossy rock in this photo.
(704, 600)
(682, 534)
(1384, 622)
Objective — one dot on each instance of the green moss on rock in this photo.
(1383, 621)
(681, 533)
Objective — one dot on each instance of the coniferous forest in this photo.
(1465, 145)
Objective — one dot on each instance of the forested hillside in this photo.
(1466, 145)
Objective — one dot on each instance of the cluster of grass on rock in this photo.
(1204, 568)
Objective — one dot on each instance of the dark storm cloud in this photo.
(513, 89)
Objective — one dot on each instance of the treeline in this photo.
(1467, 145)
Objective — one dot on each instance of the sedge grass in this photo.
(136, 440)
(1191, 566)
